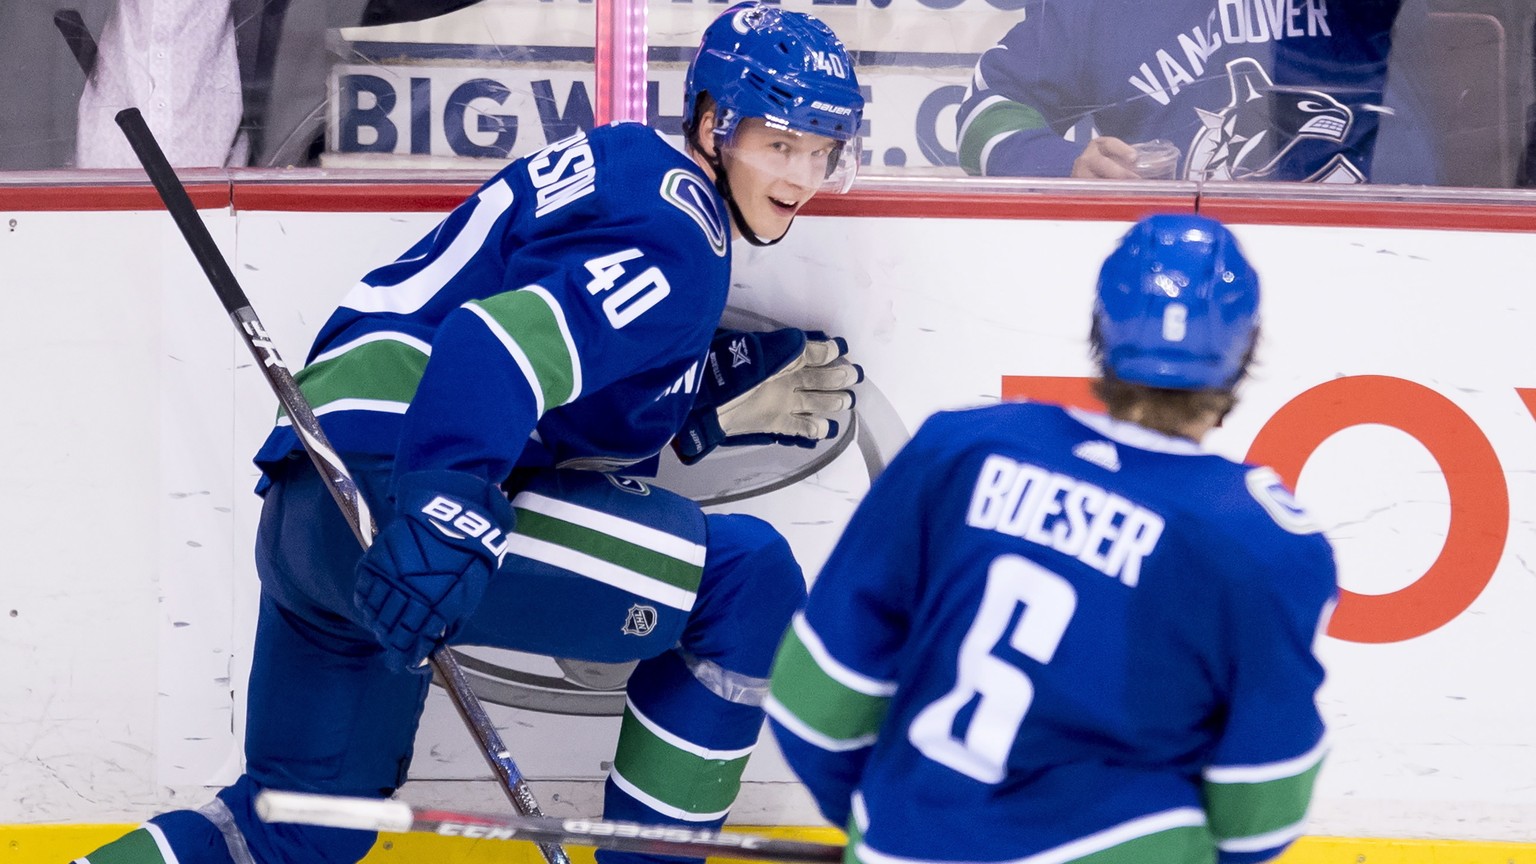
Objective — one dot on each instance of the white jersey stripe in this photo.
(981, 108)
(1268, 771)
(565, 333)
(789, 720)
(413, 292)
(602, 571)
(1260, 842)
(684, 744)
(517, 353)
(1180, 817)
(659, 805)
(381, 405)
(650, 538)
(381, 336)
(835, 670)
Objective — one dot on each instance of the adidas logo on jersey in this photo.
(1100, 453)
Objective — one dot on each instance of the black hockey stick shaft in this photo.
(374, 815)
(327, 462)
(81, 43)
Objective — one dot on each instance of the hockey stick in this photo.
(326, 461)
(81, 43)
(371, 814)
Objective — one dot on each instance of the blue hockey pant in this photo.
(602, 570)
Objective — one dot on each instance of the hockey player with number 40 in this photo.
(1050, 635)
(485, 390)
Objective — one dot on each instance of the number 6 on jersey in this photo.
(1029, 607)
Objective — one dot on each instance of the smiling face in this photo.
(772, 172)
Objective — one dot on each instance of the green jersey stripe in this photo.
(849, 678)
(803, 688)
(679, 574)
(143, 845)
(565, 335)
(526, 319)
(993, 119)
(683, 744)
(800, 729)
(515, 351)
(351, 405)
(659, 805)
(1260, 842)
(377, 336)
(703, 788)
(1173, 836)
(381, 370)
(658, 541)
(1269, 770)
(1243, 810)
(599, 570)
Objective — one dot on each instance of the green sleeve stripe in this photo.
(1243, 810)
(844, 675)
(819, 702)
(380, 370)
(992, 119)
(1189, 844)
(647, 562)
(136, 847)
(564, 329)
(527, 325)
(671, 779)
(1176, 836)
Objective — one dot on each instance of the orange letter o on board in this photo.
(1479, 525)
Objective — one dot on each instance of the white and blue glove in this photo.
(778, 387)
(427, 570)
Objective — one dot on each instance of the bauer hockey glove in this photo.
(426, 571)
(778, 387)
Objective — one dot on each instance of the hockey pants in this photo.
(602, 570)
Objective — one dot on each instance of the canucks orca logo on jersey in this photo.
(1247, 139)
(688, 193)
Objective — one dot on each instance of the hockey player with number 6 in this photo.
(1050, 635)
(493, 391)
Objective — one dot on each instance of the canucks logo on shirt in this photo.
(1250, 136)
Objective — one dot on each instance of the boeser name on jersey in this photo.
(1064, 513)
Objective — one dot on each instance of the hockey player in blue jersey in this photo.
(557, 327)
(1245, 90)
(1050, 635)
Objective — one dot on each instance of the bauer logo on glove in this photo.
(777, 387)
(426, 571)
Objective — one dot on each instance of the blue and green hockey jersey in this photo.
(1047, 635)
(1247, 89)
(560, 315)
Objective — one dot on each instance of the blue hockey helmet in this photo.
(786, 67)
(1177, 305)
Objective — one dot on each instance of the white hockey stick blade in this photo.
(363, 814)
(370, 814)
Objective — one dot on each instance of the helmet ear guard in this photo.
(1177, 305)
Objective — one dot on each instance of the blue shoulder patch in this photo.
(1269, 490)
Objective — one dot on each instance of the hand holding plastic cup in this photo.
(1156, 160)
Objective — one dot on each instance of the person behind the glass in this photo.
(1244, 91)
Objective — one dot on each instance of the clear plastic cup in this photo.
(1157, 160)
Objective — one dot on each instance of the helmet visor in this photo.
(806, 161)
